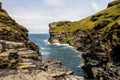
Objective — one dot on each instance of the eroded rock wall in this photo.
(98, 38)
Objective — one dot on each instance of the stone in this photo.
(57, 74)
(101, 24)
(69, 72)
(1, 48)
(0, 5)
(54, 41)
(26, 66)
(13, 55)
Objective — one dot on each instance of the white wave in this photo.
(62, 45)
(46, 41)
(80, 66)
(76, 51)
(42, 48)
(57, 44)
(45, 53)
(79, 56)
(67, 46)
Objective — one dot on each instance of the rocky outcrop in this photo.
(37, 70)
(20, 58)
(115, 2)
(98, 38)
(18, 62)
(0, 5)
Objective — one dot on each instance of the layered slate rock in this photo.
(20, 58)
(98, 37)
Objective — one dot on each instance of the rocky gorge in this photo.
(98, 37)
(20, 59)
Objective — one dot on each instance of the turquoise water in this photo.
(63, 53)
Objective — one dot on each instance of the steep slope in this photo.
(15, 45)
(10, 30)
(98, 36)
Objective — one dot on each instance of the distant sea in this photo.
(64, 53)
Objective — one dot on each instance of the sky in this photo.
(36, 15)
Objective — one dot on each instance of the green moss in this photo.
(67, 40)
(20, 64)
(115, 2)
(114, 36)
(76, 44)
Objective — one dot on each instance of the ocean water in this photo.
(61, 52)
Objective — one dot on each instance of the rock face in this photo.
(0, 5)
(115, 2)
(98, 38)
(14, 42)
(20, 58)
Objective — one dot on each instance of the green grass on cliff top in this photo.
(111, 14)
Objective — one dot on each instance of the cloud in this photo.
(36, 22)
(37, 14)
(95, 6)
(54, 3)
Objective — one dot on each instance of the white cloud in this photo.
(95, 6)
(38, 14)
(55, 3)
(37, 21)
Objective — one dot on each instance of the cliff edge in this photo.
(98, 36)
(20, 58)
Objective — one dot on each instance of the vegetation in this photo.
(115, 2)
(106, 18)
(9, 29)
(99, 33)
(68, 39)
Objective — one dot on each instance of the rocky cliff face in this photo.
(14, 40)
(20, 58)
(98, 37)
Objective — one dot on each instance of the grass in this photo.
(115, 2)
(111, 14)
(68, 39)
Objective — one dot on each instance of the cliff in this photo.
(20, 58)
(14, 39)
(98, 36)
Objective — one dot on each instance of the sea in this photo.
(64, 53)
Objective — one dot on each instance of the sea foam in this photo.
(64, 46)
(46, 41)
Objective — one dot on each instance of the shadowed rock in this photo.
(0, 5)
